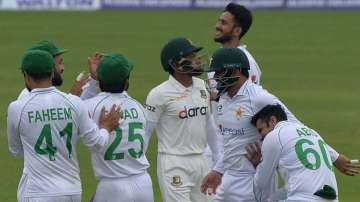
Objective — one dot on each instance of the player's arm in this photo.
(214, 137)
(80, 84)
(93, 136)
(153, 110)
(343, 163)
(265, 171)
(14, 141)
(91, 90)
(213, 179)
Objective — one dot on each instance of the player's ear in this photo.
(273, 121)
(237, 31)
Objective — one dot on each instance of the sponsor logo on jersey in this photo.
(192, 112)
(149, 107)
(203, 94)
(176, 181)
(231, 131)
(238, 112)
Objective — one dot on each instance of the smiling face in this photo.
(226, 29)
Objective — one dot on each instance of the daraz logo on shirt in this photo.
(192, 112)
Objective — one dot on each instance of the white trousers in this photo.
(238, 186)
(22, 189)
(180, 177)
(137, 188)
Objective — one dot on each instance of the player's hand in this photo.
(253, 154)
(80, 84)
(93, 63)
(210, 182)
(344, 165)
(111, 120)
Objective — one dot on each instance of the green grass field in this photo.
(309, 59)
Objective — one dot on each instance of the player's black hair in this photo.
(269, 111)
(242, 15)
(39, 77)
(112, 88)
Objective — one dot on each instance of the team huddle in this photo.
(225, 139)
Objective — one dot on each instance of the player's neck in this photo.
(184, 79)
(233, 43)
(40, 84)
(233, 90)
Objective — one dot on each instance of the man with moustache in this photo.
(50, 47)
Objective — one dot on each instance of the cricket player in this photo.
(43, 128)
(57, 80)
(121, 167)
(179, 111)
(298, 151)
(232, 25)
(240, 99)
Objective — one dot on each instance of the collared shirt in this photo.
(234, 119)
(302, 156)
(180, 114)
(125, 155)
(43, 128)
(254, 72)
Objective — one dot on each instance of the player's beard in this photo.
(57, 80)
(225, 37)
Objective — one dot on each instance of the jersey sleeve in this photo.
(263, 99)
(24, 93)
(154, 106)
(91, 135)
(90, 91)
(14, 140)
(334, 155)
(265, 172)
(214, 138)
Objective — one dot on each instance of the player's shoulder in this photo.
(73, 101)
(200, 83)
(16, 106)
(133, 103)
(94, 100)
(24, 93)
(158, 93)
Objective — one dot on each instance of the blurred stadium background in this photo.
(308, 56)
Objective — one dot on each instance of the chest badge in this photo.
(238, 112)
(176, 181)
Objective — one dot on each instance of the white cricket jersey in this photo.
(234, 119)
(44, 128)
(125, 155)
(254, 72)
(180, 115)
(24, 93)
(302, 155)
